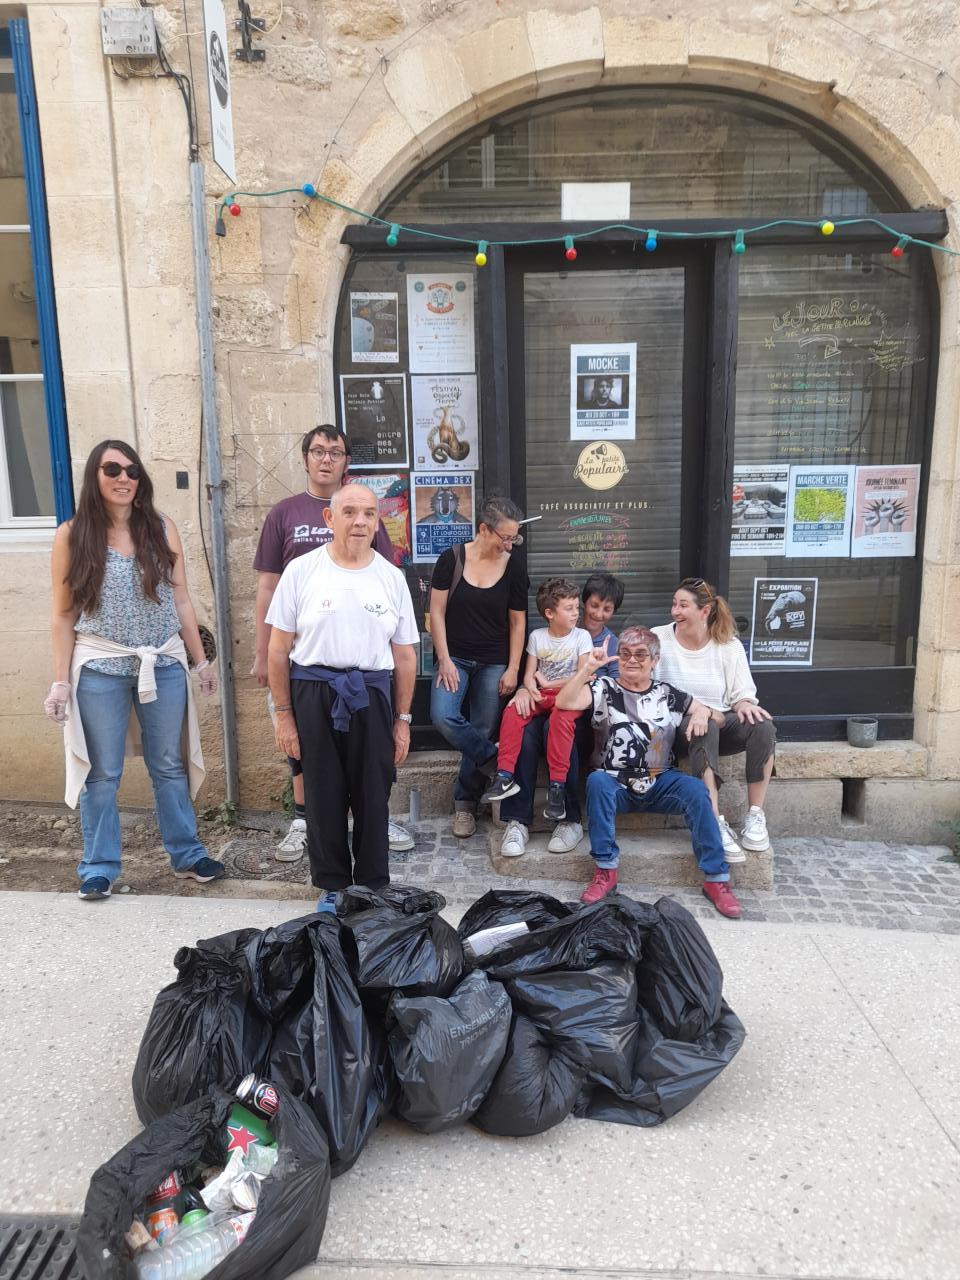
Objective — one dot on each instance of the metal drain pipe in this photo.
(211, 443)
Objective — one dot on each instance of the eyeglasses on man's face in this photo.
(318, 454)
(113, 469)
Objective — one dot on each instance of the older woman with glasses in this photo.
(701, 653)
(478, 614)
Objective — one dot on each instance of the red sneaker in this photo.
(604, 881)
(722, 897)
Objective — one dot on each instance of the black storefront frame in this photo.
(809, 704)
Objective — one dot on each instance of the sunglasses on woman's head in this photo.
(113, 469)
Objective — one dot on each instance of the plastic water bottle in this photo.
(195, 1250)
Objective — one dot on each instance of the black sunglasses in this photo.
(113, 469)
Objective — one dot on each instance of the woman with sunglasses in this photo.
(701, 653)
(122, 625)
(478, 617)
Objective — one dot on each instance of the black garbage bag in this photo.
(510, 906)
(535, 1088)
(325, 1048)
(581, 939)
(679, 977)
(588, 1015)
(202, 1029)
(404, 898)
(668, 1074)
(291, 1213)
(447, 1052)
(400, 944)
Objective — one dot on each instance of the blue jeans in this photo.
(479, 684)
(104, 705)
(672, 792)
(519, 807)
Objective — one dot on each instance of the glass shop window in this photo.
(832, 394)
(686, 154)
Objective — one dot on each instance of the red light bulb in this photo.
(570, 254)
(235, 210)
(896, 252)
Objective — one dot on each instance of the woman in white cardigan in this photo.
(122, 624)
(701, 653)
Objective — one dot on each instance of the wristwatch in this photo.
(405, 716)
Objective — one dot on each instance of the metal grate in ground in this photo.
(38, 1248)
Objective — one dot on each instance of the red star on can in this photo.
(241, 1138)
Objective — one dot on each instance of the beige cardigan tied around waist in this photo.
(89, 647)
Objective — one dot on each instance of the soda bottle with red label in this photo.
(164, 1206)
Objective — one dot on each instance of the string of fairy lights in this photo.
(650, 236)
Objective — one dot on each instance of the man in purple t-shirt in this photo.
(293, 527)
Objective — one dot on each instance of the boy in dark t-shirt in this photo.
(641, 716)
(293, 527)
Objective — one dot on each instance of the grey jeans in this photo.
(758, 740)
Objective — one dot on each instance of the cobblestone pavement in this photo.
(880, 886)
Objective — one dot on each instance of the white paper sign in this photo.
(594, 201)
(819, 511)
(445, 421)
(440, 323)
(218, 87)
(603, 391)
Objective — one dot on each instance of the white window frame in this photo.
(16, 531)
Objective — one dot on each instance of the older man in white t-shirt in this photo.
(342, 668)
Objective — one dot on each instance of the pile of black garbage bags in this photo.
(610, 1012)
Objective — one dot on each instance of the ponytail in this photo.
(721, 626)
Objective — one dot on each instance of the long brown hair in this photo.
(88, 534)
(721, 625)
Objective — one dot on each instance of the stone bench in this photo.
(820, 788)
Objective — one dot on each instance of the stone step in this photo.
(636, 822)
(662, 858)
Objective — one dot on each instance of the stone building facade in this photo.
(357, 97)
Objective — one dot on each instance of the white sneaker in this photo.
(755, 835)
(291, 847)
(400, 838)
(566, 836)
(731, 850)
(514, 842)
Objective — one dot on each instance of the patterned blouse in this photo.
(127, 616)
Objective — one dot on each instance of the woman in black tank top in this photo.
(478, 612)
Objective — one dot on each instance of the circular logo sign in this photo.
(601, 465)
(218, 69)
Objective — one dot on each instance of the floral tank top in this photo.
(127, 616)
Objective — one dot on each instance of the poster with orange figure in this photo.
(445, 429)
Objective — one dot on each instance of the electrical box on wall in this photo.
(128, 33)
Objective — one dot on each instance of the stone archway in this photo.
(437, 88)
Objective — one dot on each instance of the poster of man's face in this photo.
(603, 391)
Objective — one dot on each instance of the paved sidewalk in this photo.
(816, 880)
(829, 1148)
